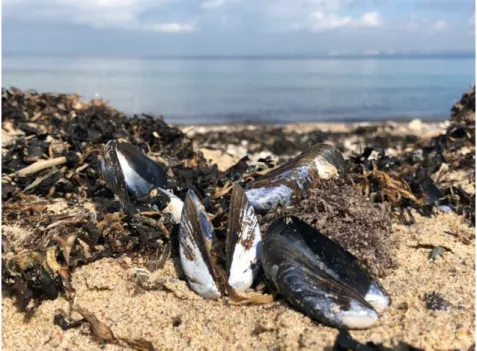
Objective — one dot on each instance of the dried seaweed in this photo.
(62, 139)
(104, 333)
(56, 154)
(340, 212)
(406, 181)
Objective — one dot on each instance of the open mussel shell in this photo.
(287, 183)
(243, 243)
(141, 174)
(197, 247)
(196, 239)
(319, 277)
(133, 176)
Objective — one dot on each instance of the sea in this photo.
(215, 90)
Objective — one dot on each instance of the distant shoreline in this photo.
(277, 57)
(357, 121)
(225, 120)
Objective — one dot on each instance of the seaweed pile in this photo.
(331, 206)
(284, 142)
(70, 133)
(416, 178)
(51, 151)
(403, 170)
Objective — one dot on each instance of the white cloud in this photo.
(425, 25)
(207, 4)
(440, 25)
(359, 23)
(294, 9)
(325, 5)
(171, 27)
(371, 19)
(214, 4)
(115, 14)
(320, 21)
(472, 20)
(300, 8)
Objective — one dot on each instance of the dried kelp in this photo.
(38, 264)
(338, 210)
(409, 179)
(55, 154)
(103, 332)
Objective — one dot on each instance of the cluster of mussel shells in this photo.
(315, 274)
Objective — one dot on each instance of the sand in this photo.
(163, 310)
(175, 318)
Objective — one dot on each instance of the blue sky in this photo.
(231, 27)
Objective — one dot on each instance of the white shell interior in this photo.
(196, 270)
(325, 169)
(134, 181)
(174, 207)
(245, 265)
(358, 317)
(377, 299)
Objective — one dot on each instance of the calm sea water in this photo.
(273, 91)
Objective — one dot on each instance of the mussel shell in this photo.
(124, 163)
(287, 183)
(319, 277)
(327, 161)
(431, 192)
(243, 243)
(267, 198)
(196, 239)
(113, 173)
(133, 176)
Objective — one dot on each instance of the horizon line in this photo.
(297, 56)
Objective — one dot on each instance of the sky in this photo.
(237, 27)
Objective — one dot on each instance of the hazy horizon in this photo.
(284, 56)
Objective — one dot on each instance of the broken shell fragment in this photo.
(319, 277)
(287, 183)
(173, 205)
(195, 242)
(131, 174)
(244, 242)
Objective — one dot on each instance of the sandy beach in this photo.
(433, 299)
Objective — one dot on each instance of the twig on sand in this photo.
(41, 165)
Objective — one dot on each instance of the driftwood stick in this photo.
(41, 165)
